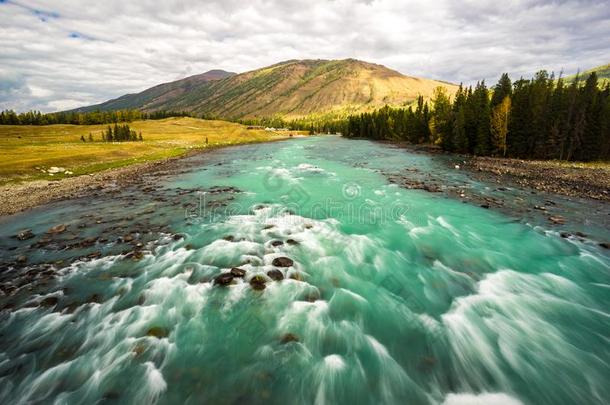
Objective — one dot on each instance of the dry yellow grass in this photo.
(26, 150)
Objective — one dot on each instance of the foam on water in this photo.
(442, 303)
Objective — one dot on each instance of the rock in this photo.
(57, 229)
(282, 262)
(258, 282)
(177, 236)
(90, 241)
(486, 206)
(237, 272)
(565, 234)
(580, 234)
(292, 242)
(224, 279)
(297, 277)
(275, 275)
(25, 234)
(605, 245)
(135, 255)
(229, 238)
(539, 207)
(158, 332)
(277, 243)
(558, 219)
(22, 259)
(289, 337)
(127, 238)
(49, 302)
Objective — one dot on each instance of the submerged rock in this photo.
(297, 277)
(276, 243)
(605, 245)
(158, 332)
(282, 262)
(223, 279)
(292, 242)
(57, 229)
(237, 272)
(275, 275)
(258, 282)
(49, 302)
(25, 234)
(289, 337)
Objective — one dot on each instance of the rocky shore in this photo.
(16, 198)
(575, 180)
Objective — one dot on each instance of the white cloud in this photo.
(64, 53)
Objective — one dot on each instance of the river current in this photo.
(346, 288)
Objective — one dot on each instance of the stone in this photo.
(605, 245)
(237, 272)
(289, 337)
(282, 262)
(25, 234)
(49, 302)
(558, 219)
(229, 238)
(57, 229)
(223, 279)
(292, 242)
(158, 332)
(297, 277)
(276, 243)
(22, 259)
(275, 275)
(258, 282)
(486, 206)
(88, 241)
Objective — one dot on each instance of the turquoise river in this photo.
(342, 284)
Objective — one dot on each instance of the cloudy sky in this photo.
(65, 53)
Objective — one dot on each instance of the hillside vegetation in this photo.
(602, 72)
(25, 150)
(292, 89)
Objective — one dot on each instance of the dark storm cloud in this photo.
(63, 53)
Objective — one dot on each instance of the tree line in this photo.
(10, 117)
(539, 118)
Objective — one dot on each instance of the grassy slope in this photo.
(603, 75)
(291, 89)
(24, 148)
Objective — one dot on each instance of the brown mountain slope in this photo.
(295, 89)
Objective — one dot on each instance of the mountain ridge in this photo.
(294, 88)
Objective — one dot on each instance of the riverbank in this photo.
(573, 179)
(19, 197)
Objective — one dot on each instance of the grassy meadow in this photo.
(26, 150)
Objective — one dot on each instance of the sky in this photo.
(61, 54)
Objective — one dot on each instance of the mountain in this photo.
(291, 89)
(159, 94)
(603, 75)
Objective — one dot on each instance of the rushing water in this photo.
(394, 296)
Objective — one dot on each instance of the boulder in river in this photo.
(158, 332)
(258, 282)
(292, 242)
(282, 262)
(224, 279)
(605, 245)
(275, 275)
(57, 229)
(289, 337)
(22, 259)
(25, 234)
(237, 272)
(276, 243)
